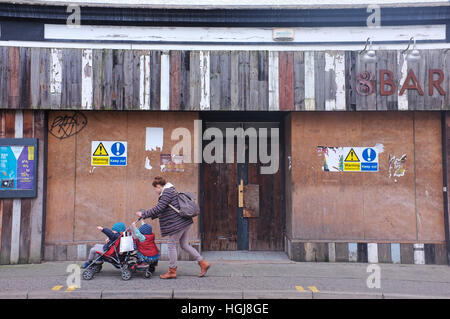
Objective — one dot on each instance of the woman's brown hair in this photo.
(159, 181)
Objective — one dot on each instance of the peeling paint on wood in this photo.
(86, 80)
(124, 79)
(335, 81)
(310, 102)
(419, 254)
(205, 81)
(144, 82)
(372, 253)
(165, 81)
(403, 69)
(274, 99)
(55, 77)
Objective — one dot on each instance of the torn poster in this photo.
(397, 166)
(154, 138)
(172, 163)
(147, 163)
(350, 159)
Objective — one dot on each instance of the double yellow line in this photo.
(69, 289)
(311, 288)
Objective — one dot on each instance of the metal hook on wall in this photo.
(369, 54)
(409, 44)
(413, 54)
(365, 47)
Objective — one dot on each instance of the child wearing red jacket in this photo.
(145, 244)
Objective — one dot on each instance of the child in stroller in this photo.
(147, 252)
(113, 234)
(127, 262)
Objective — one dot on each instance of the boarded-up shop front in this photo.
(81, 196)
(312, 208)
(394, 214)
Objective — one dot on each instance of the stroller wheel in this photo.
(148, 274)
(126, 274)
(151, 269)
(88, 274)
(97, 268)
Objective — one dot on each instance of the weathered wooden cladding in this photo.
(175, 72)
(13, 78)
(116, 79)
(387, 60)
(220, 80)
(70, 79)
(286, 80)
(4, 62)
(299, 83)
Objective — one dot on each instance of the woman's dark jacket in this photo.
(169, 220)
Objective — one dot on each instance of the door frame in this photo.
(248, 116)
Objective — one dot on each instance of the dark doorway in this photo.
(253, 220)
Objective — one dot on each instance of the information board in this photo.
(18, 167)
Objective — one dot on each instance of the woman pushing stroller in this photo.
(173, 225)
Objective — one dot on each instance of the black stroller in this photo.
(127, 262)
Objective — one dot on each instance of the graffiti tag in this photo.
(65, 126)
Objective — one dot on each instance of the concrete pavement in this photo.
(232, 279)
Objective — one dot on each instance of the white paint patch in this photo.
(336, 63)
(419, 254)
(86, 80)
(144, 82)
(372, 253)
(205, 102)
(379, 148)
(154, 138)
(56, 72)
(310, 102)
(165, 81)
(147, 163)
(274, 99)
(330, 104)
(402, 99)
(339, 63)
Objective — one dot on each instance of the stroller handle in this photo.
(137, 220)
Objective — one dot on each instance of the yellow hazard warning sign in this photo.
(100, 150)
(352, 157)
(100, 161)
(352, 167)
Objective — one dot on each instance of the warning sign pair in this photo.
(109, 153)
(352, 162)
